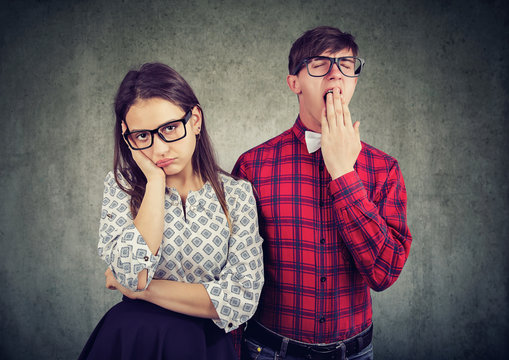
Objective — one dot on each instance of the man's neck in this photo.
(310, 123)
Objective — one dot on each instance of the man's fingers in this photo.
(356, 127)
(338, 108)
(346, 113)
(325, 123)
(331, 112)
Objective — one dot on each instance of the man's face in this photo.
(311, 90)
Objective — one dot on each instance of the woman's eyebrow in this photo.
(162, 124)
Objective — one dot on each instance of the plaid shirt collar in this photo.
(299, 130)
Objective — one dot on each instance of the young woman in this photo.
(179, 235)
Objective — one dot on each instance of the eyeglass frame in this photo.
(332, 62)
(184, 121)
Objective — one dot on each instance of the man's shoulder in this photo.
(376, 159)
(269, 145)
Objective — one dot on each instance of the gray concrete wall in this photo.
(434, 94)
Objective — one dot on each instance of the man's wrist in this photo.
(338, 173)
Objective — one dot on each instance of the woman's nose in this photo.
(159, 145)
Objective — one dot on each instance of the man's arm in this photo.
(376, 235)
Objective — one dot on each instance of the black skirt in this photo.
(136, 329)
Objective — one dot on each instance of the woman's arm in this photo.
(185, 298)
(150, 217)
(150, 221)
(232, 297)
(130, 247)
(236, 290)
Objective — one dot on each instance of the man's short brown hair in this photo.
(318, 40)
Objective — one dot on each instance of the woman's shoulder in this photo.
(235, 185)
(111, 182)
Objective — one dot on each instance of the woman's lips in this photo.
(164, 162)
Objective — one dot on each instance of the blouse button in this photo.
(323, 279)
(230, 325)
(216, 278)
(145, 258)
(322, 320)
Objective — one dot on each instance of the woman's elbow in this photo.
(142, 279)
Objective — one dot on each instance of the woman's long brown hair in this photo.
(155, 80)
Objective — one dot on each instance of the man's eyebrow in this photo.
(349, 59)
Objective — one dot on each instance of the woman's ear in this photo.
(196, 119)
(293, 84)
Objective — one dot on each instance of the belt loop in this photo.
(284, 347)
(343, 350)
(360, 343)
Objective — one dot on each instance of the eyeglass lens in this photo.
(321, 66)
(171, 131)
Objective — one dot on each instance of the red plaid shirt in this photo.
(326, 243)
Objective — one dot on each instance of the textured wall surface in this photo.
(434, 94)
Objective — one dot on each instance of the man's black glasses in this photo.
(317, 66)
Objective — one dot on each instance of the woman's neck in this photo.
(184, 183)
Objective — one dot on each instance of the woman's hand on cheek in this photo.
(151, 171)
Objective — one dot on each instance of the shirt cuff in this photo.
(346, 190)
(134, 255)
(226, 313)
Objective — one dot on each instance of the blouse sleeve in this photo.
(236, 291)
(120, 243)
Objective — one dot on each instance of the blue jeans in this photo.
(252, 350)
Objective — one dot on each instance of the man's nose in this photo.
(334, 72)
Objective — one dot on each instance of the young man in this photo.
(332, 214)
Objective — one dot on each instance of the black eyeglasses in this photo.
(317, 66)
(168, 132)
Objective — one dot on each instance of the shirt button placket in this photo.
(321, 260)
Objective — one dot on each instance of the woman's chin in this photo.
(171, 170)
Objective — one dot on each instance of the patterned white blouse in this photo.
(197, 246)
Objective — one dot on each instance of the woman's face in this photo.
(173, 157)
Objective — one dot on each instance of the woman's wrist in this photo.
(156, 182)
